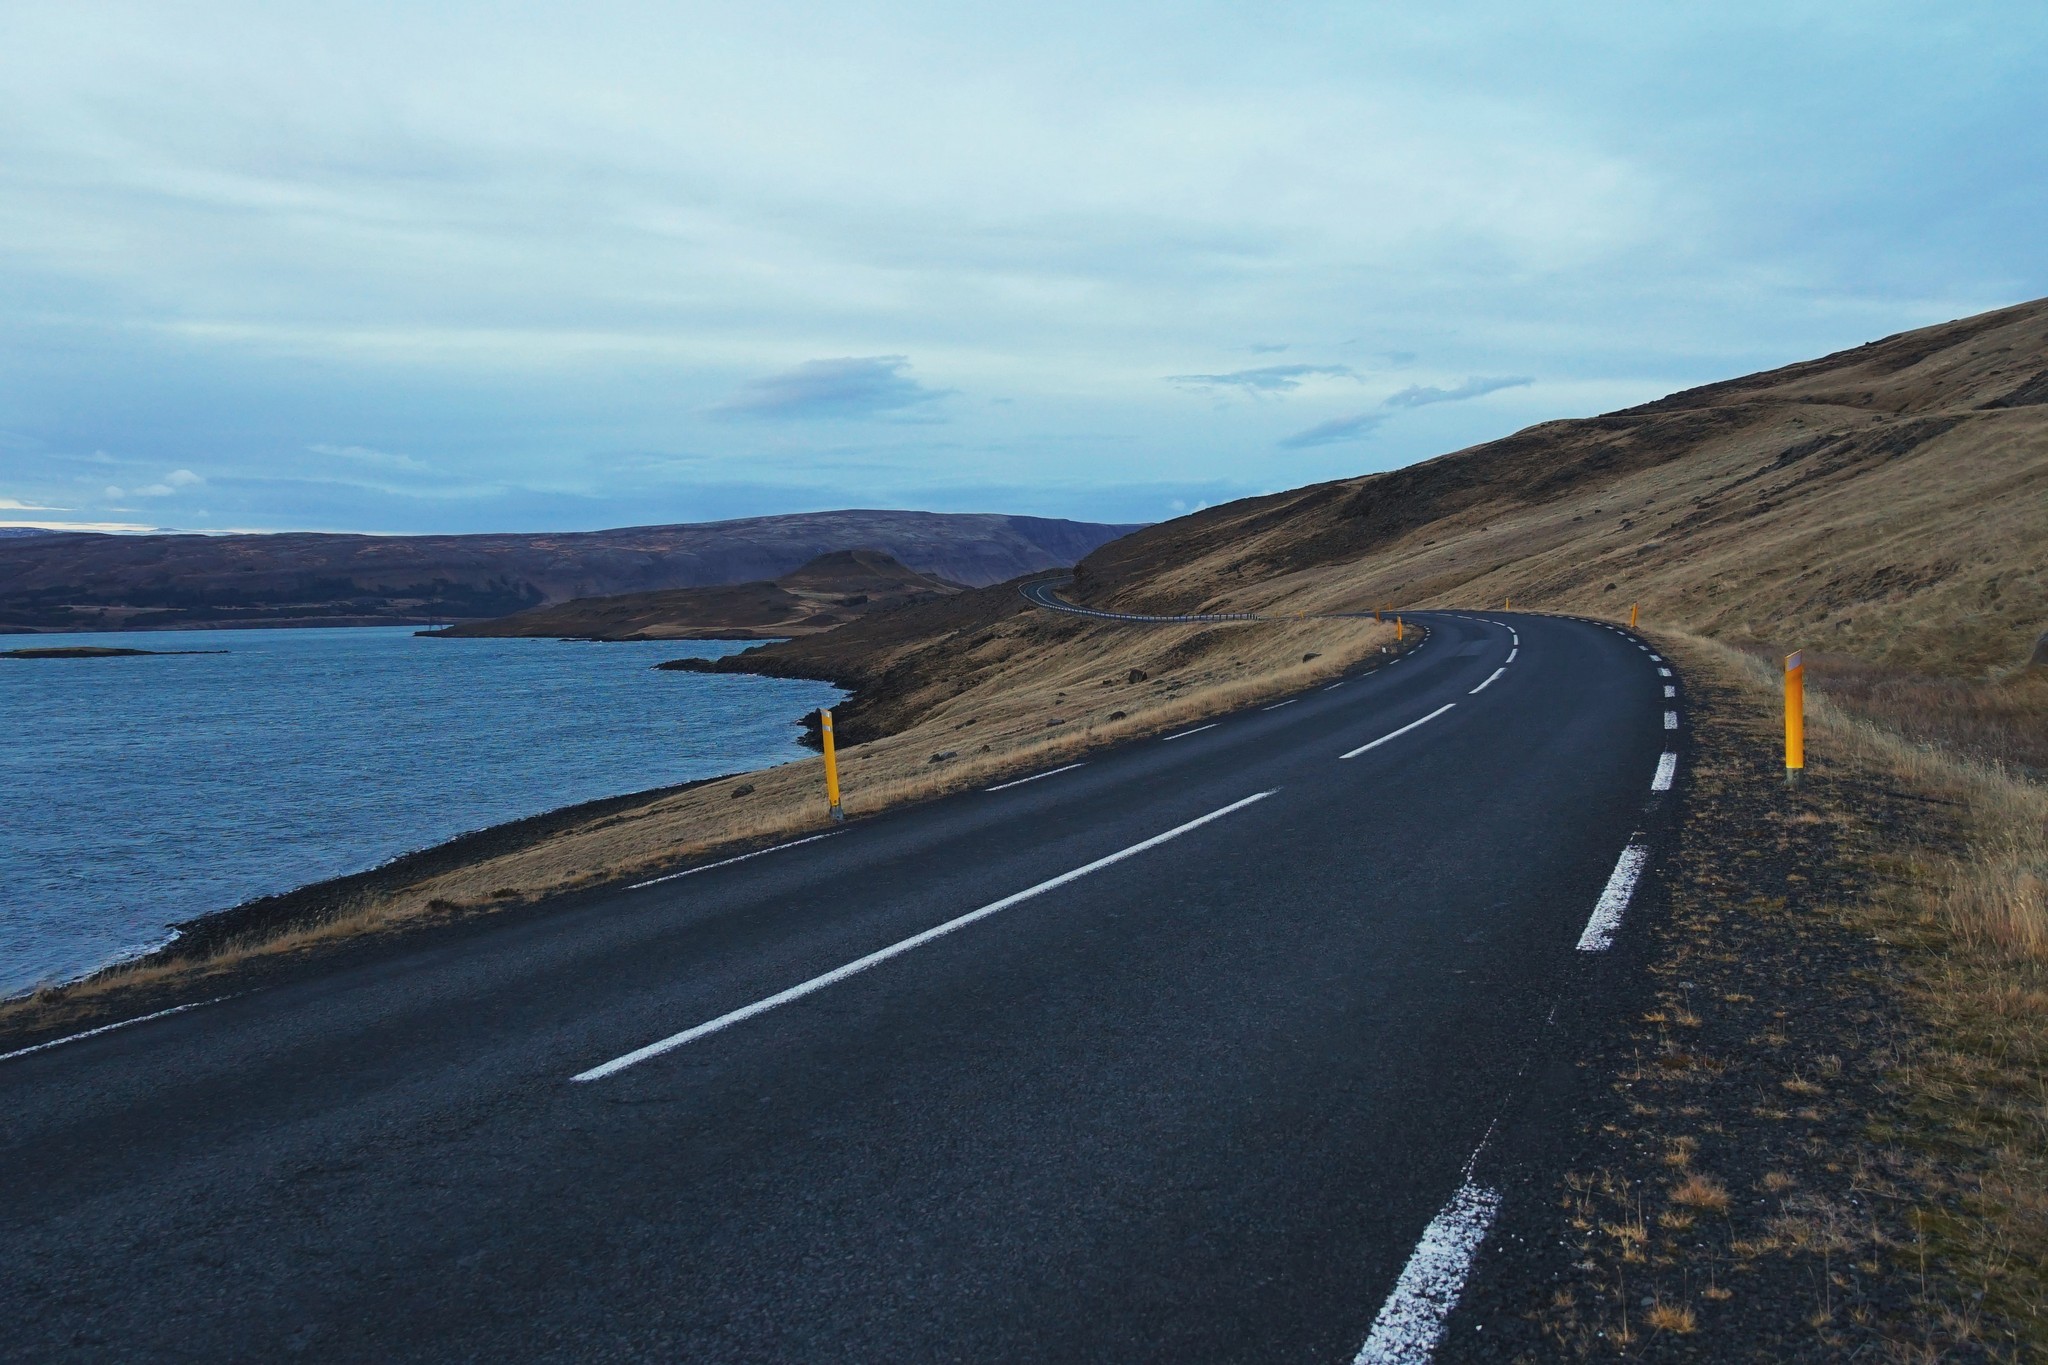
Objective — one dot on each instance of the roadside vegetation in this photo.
(1822, 1131)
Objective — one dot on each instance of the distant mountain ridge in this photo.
(88, 581)
(829, 591)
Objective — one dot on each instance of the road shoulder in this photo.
(1745, 1174)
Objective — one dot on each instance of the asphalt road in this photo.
(1249, 1092)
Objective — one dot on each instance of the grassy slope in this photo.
(1881, 502)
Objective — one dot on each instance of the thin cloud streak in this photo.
(1264, 379)
(1421, 395)
(853, 386)
(1338, 429)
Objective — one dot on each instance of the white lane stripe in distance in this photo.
(1671, 720)
(1489, 681)
(1658, 657)
(109, 1028)
(1278, 704)
(1333, 686)
(1614, 899)
(1667, 768)
(1196, 731)
(1411, 1321)
(728, 862)
(1669, 690)
(1513, 652)
(1049, 772)
(1396, 734)
(880, 955)
(1663, 672)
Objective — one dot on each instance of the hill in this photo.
(79, 581)
(829, 591)
(1889, 502)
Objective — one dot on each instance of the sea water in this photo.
(136, 792)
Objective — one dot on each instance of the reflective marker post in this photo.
(831, 763)
(1795, 716)
(1400, 629)
(1632, 615)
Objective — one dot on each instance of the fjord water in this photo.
(142, 791)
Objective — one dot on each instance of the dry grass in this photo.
(1052, 700)
(1670, 1317)
(1701, 1192)
(1976, 919)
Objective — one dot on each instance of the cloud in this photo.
(171, 484)
(853, 386)
(1353, 428)
(383, 459)
(1265, 379)
(16, 505)
(1420, 395)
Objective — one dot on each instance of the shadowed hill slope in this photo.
(1889, 501)
(829, 591)
(105, 582)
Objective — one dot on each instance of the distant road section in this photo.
(1227, 1045)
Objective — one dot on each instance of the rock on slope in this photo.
(829, 591)
(99, 582)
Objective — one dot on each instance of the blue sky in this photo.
(415, 267)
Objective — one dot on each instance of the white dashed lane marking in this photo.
(1050, 772)
(1396, 734)
(881, 955)
(1411, 1322)
(1613, 902)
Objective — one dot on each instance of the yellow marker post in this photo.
(1400, 629)
(1632, 615)
(1375, 614)
(831, 763)
(1505, 603)
(1795, 716)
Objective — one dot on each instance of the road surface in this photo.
(1222, 1045)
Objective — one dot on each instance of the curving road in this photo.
(1224, 1045)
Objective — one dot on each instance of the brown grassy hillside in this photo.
(1889, 502)
(828, 591)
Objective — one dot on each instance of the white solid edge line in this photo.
(880, 955)
(109, 1028)
(1396, 734)
(728, 862)
(1489, 681)
(1671, 720)
(1411, 1321)
(1196, 731)
(1607, 912)
(1667, 768)
(1278, 704)
(1049, 772)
